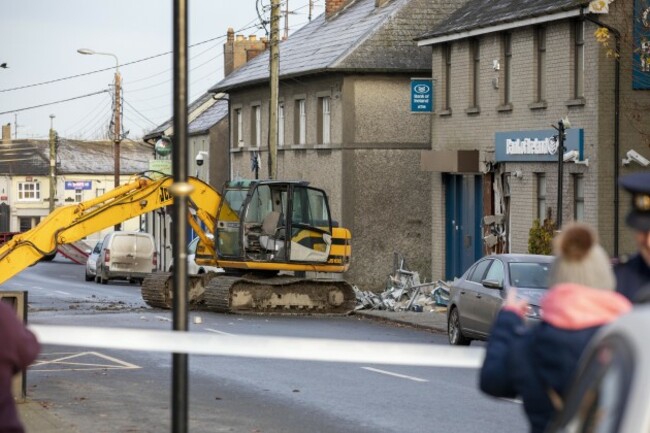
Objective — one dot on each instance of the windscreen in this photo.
(529, 274)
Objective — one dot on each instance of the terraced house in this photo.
(345, 124)
(511, 74)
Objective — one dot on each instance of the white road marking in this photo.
(512, 400)
(217, 331)
(389, 373)
(68, 363)
(166, 319)
(61, 292)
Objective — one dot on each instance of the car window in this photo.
(496, 272)
(477, 275)
(529, 274)
(597, 399)
(98, 248)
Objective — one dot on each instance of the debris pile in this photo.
(405, 292)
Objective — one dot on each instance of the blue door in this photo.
(464, 204)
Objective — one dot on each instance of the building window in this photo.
(281, 124)
(579, 197)
(28, 223)
(324, 120)
(78, 195)
(507, 68)
(99, 192)
(446, 58)
(540, 41)
(239, 128)
(579, 61)
(475, 59)
(29, 191)
(256, 126)
(300, 122)
(541, 197)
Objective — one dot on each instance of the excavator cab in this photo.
(273, 221)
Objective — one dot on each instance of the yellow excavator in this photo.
(265, 234)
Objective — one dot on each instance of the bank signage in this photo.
(535, 146)
(78, 184)
(421, 95)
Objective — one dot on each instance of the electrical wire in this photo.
(54, 102)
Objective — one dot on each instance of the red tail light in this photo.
(107, 255)
(155, 259)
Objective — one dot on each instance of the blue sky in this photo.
(40, 39)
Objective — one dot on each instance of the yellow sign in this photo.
(161, 165)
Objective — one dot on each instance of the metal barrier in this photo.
(18, 301)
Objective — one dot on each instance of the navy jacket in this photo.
(633, 279)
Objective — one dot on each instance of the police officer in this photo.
(633, 275)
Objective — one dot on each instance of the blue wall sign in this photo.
(535, 146)
(421, 95)
(78, 184)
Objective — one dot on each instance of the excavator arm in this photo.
(71, 223)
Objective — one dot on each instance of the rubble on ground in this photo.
(405, 292)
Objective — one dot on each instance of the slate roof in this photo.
(31, 157)
(208, 118)
(477, 14)
(361, 37)
(160, 129)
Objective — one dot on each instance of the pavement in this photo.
(38, 418)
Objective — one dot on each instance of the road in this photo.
(128, 391)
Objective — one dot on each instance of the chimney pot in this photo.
(252, 38)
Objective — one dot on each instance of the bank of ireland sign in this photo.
(535, 146)
(421, 95)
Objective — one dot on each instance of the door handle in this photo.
(462, 292)
(478, 295)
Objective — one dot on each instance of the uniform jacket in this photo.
(528, 362)
(633, 279)
(18, 349)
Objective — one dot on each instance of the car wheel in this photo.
(454, 332)
(89, 277)
(103, 280)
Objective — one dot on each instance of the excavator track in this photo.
(279, 295)
(157, 289)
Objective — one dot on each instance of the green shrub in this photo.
(540, 236)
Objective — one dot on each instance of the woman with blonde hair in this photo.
(537, 363)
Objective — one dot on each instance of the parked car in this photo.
(126, 255)
(192, 267)
(611, 392)
(91, 262)
(476, 297)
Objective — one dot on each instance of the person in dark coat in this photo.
(633, 275)
(18, 349)
(537, 362)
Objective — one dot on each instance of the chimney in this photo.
(6, 133)
(239, 49)
(334, 6)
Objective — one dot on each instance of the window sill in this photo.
(578, 102)
(539, 105)
(473, 110)
(445, 113)
(505, 108)
(237, 149)
(298, 146)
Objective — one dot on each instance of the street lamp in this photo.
(562, 126)
(117, 137)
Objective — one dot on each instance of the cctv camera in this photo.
(199, 158)
(571, 155)
(635, 156)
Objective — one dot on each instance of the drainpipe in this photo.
(617, 94)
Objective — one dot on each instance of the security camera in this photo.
(200, 157)
(571, 155)
(635, 156)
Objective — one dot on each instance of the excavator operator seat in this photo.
(268, 238)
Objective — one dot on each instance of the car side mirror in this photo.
(492, 284)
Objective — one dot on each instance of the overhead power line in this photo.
(54, 102)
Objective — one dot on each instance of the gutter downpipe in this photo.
(617, 151)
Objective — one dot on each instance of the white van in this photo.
(127, 256)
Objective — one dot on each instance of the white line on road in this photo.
(166, 319)
(61, 292)
(512, 400)
(217, 331)
(401, 376)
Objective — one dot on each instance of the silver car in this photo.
(476, 297)
(91, 262)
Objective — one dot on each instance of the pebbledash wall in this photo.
(370, 168)
(593, 115)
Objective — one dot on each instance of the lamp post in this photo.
(562, 126)
(117, 127)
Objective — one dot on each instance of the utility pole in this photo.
(117, 132)
(274, 83)
(560, 170)
(52, 163)
(15, 126)
(286, 21)
(311, 6)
